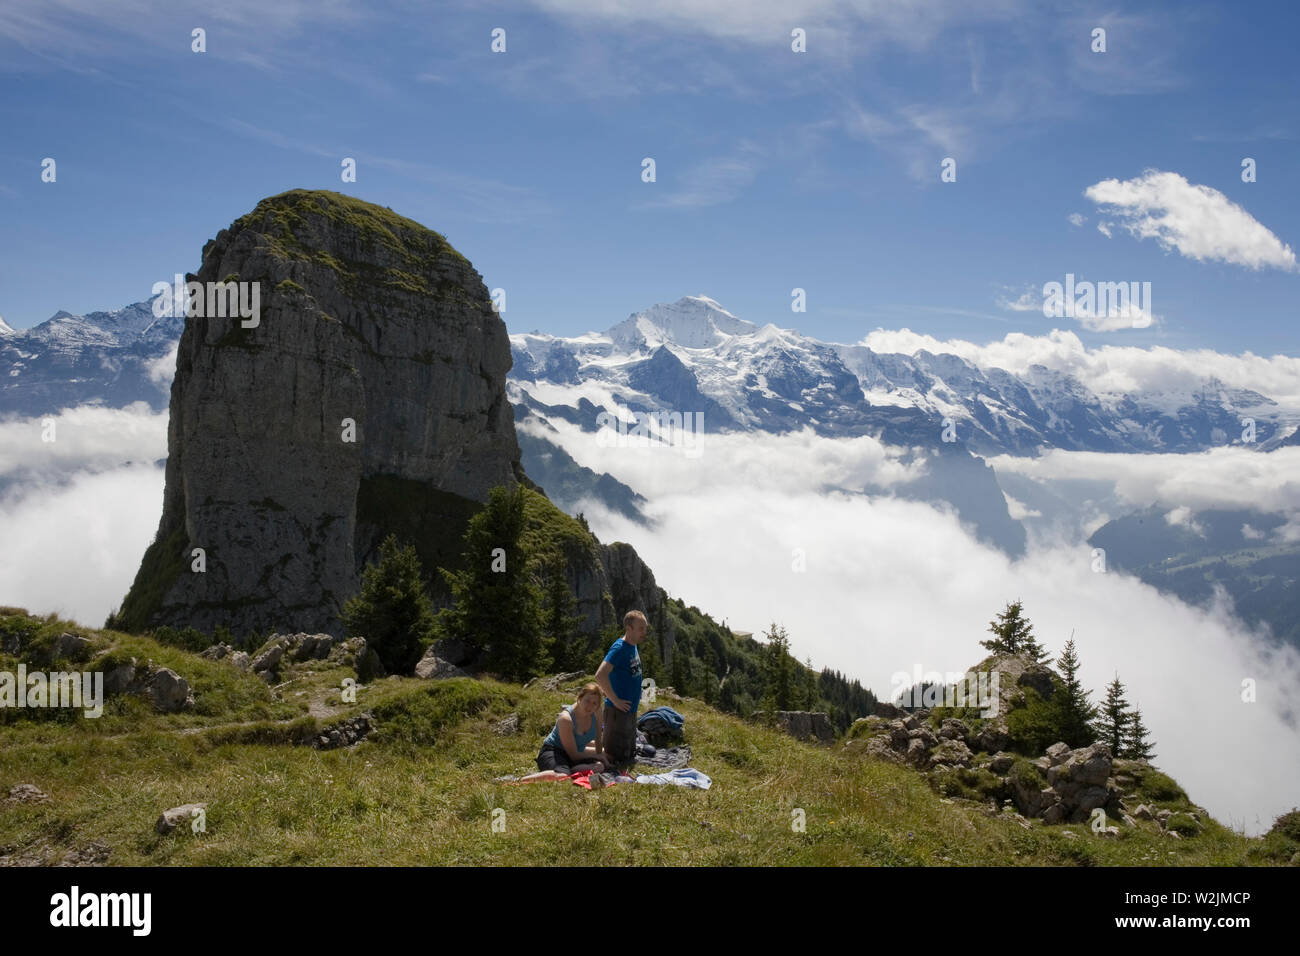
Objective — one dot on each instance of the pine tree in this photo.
(1112, 725)
(392, 611)
(1139, 742)
(779, 676)
(810, 692)
(681, 669)
(498, 602)
(1013, 634)
(560, 635)
(1077, 712)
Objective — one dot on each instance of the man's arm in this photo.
(602, 681)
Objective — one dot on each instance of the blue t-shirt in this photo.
(625, 678)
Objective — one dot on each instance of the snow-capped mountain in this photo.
(107, 358)
(694, 355)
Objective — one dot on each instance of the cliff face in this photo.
(364, 316)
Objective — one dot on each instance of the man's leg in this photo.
(623, 740)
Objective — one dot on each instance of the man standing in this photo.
(619, 676)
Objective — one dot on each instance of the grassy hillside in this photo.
(420, 789)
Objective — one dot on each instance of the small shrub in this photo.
(1027, 775)
(186, 638)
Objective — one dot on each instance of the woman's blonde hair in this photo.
(589, 688)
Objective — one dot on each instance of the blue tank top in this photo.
(579, 740)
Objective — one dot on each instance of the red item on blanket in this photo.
(583, 779)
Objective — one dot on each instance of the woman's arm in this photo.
(564, 723)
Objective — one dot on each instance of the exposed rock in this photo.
(169, 691)
(171, 819)
(241, 661)
(72, 647)
(119, 679)
(916, 755)
(26, 793)
(558, 681)
(953, 729)
(92, 854)
(1143, 812)
(989, 740)
(953, 752)
(883, 709)
(217, 652)
(1076, 784)
(1001, 762)
(507, 726)
(1058, 753)
(433, 667)
(269, 659)
(344, 734)
(364, 316)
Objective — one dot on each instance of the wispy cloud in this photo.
(487, 200)
(1198, 221)
(709, 183)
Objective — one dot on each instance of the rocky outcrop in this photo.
(433, 667)
(167, 690)
(376, 370)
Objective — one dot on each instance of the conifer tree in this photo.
(1013, 634)
(1139, 746)
(779, 668)
(560, 637)
(1077, 712)
(1112, 724)
(498, 602)
(392, 611)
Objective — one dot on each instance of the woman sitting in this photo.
(574, 742)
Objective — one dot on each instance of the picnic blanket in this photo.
(685, 777)
(595, 780)
(662, 758)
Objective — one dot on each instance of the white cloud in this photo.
(1181, 517)
(1116, 319)
(78, 545)
(912, 24)
(891, 584)
(1113, 369)
(1220, 478)
(1200, 222)
(1077, 218)
(163, 369)
(709, 183)
(85, 437)
(1104, 228)
(1028, 301)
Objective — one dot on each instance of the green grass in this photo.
(420, 789)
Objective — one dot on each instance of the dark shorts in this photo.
(553, 758)
(620, 735)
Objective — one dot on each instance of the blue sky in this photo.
(775, 169)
